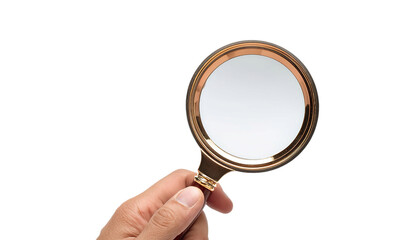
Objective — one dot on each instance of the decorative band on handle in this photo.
(205, 181)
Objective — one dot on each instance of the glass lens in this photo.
(252, 107)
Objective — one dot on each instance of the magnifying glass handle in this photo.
(206, 193)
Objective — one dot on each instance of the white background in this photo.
(92, 112)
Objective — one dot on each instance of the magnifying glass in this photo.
(252, 106)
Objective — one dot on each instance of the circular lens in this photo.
(252, 107)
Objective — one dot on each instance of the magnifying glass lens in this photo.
(252, 107)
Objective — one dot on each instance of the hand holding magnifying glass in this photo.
(164, 210)
(252, 106)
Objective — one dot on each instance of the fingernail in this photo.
(189, 196)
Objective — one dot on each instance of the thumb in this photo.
(174, 216)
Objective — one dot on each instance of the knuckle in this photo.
(164, 218)
(124, 208)
(125, 214)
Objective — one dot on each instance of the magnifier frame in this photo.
(217, 156)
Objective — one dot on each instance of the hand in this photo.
(164, 210)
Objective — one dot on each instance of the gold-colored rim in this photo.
(255, 48)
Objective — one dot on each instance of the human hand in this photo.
(164, 210)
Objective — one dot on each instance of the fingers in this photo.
(168, 186)
(174, 216)
(134, 216)
(219, 201)
(199, 230)
(164, 189)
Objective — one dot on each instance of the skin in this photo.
(164, 210)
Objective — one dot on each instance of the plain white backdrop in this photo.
(92, 112)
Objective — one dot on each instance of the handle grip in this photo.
(206, 193)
